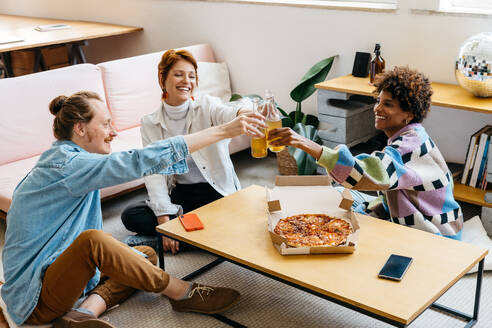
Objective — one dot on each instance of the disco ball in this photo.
(474, 65)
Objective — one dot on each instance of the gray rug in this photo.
(267, 303)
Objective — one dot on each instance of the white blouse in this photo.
(213, 162)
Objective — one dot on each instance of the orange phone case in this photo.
(191, 222)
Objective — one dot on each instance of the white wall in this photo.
(273, 46)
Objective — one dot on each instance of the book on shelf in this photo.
(483, 165)
(489, 162)
(471, 154)
(487, 175)
(479, 157)
(469, 165)
(482, 184)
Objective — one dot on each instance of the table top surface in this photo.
(236, 228)
(22, 27)
(446, 95)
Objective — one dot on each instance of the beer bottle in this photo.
(377, 64)
(258, 145)
(272, 118)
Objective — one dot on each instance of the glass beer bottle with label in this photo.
(377, 64)
(258, 145)
(272, 118)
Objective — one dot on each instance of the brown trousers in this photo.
(123, 271)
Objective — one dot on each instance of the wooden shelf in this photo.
(445, 95)
(470, 195)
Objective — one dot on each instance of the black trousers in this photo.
(141, 219)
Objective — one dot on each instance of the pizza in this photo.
(308, 230)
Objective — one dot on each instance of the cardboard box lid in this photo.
(303, 180)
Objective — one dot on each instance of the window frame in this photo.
(362, 5)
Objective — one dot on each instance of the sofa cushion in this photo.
(213, 79)
(132, 87)
(12, 173)
(26, 122)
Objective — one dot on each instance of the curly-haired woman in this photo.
(412, 179)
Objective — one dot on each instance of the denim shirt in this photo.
(58, 199)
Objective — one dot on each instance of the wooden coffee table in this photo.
(236, 231)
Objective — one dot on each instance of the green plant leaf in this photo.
(306, 164)
(315, 74)
(287, 122)
(292, 116)
(299, 114)
(304, 120)
(312, 120)
(235, 96)
(283, 112)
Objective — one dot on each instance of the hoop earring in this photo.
(192, 98)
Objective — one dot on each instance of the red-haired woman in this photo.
(211, 172)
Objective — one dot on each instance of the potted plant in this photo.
(304, 124)
(293, 161)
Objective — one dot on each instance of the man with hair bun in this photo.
(410, 174)
(55, 250)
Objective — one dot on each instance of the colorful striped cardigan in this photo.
(411, 177)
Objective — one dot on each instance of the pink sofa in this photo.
(129, 87)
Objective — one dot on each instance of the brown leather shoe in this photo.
(76, 319)
(206, 299)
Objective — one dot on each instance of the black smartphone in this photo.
(395, 267)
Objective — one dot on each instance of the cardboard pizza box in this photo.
(309, 195)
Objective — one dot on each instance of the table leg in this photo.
(478, 289)
(160, 251)
(471, 320)
(203, 269)
(77, 55)
(5, 57)
(38, 61)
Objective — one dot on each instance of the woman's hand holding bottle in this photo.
(250, 123)
(288, 137)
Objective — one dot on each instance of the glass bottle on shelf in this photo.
(377, 64)
(272, 117)
(258, 145)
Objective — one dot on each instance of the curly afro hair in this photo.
(411, 88)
